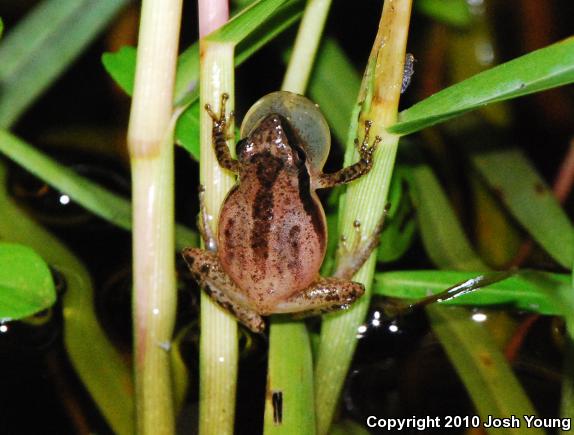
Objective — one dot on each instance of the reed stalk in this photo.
(150, 143)
(364, 201)
(218, 343)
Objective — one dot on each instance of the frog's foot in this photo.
(207, 271)
(353, 260)
(220, 134)
(327, 294)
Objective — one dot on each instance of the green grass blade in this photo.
(481, 366)
(26, 284)
(36, 52)
(334, 85)
(442, 235)
(289, 402)
(521, 291)
(447, 245)
(528, 198)
(88, 194)
(242, 24)
(542, 69)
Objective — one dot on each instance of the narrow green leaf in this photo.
(1, 27)
(494, 389)
(245, 22)
(26, 284)
(37, 50)
(448, 246)
(400, 224)
(442, 235)
(542, 69)
(522, 291)
(528, 198)
(334, 85)
(289, 401)
(452, 12)
(90, 195)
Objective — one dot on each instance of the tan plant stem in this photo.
(364, 202)
(150, 143)
(218, 343)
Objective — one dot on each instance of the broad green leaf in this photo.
(542, 69)
(528, 198)
(452, 12)
(35, 52)
(26, 284)
(120, 65)
(88, 194)
(481, 366)
(536, 292)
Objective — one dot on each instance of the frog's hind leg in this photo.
(326, 294)
(206, 270)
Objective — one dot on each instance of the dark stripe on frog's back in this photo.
(268, 169)
(311, 205)
(310, 202)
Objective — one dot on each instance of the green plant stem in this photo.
(218, 343)
(364, 202)
(290, 369)
(150, 142)
(308, 38)
(98, 364)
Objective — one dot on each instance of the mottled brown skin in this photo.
(272, 233)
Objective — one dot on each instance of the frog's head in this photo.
(274, 138)
(290, 120)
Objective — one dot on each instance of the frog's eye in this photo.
(304, 117)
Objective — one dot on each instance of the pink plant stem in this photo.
(212, 15)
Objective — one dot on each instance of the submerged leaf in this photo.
(26, 284)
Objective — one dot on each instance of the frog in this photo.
(272, 234)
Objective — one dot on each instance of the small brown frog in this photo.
(272, 232)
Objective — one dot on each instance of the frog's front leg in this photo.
(326, 294)
(220, 134)
(356, 170)
(206, 270)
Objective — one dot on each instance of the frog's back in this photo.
(272, 234)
